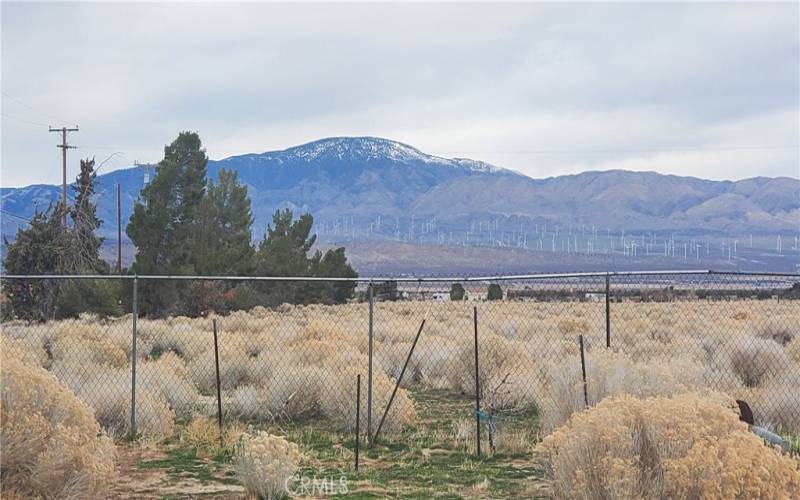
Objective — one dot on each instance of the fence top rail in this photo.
(399, 279)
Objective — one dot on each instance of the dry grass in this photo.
(300, 362)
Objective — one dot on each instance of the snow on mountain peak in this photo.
(368, 149)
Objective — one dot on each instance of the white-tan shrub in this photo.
(76, 342)
(265, 463)
(52, 447)
(109, 394)
(607, 374)
(166, 378)
(249, 402)
(296, 393)
(338, 398)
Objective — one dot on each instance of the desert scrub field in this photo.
(291, 371)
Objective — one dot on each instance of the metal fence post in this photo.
(608, 311)
(369, 368)
(135, 311)
(477, 385)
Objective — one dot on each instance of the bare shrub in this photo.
(690, 446)
(755, 359)
(265, 463)
(296, 394)
(497, 358)
(52, 446)
(234, 369)
(249, 402)
(779, 331)
(609, 373)
(338, 397)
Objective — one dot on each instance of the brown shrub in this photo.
(498, 357)
(755, 360)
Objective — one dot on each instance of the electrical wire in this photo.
(5, 94)
(6, 212)
(5, 115)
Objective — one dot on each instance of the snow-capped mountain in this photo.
(367, 188)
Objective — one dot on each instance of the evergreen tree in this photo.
(284, 249)
(82, 255)
(333, 264)
(165, 224)
(494, 292)
(38, 249)
(457, 291)
(225, 249)
(284, 252)
(227, 220)
(84, 249)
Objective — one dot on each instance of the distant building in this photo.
(474, 296)
(594, 296)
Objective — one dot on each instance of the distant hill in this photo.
(371, 189)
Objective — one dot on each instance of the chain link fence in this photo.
(646, 334)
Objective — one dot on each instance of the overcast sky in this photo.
(546, 89)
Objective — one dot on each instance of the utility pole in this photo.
(147, 167)
(64, 147)
(119, 232)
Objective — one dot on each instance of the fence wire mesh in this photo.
(652, 334)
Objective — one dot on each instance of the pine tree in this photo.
(284, 249)
(37, 249)
(165, 225)
(457, 291)
(227, 220)
(284, 252)
(84, 249)
(333, 264)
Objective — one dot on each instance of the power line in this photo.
(34, 109)
(16, 216)
(617, 151)
(23, 120)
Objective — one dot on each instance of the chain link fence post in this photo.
(608, 311)
(135, 311)
(371, 297)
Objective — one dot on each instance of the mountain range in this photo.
(365, 189)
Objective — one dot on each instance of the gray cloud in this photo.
(696, 89)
